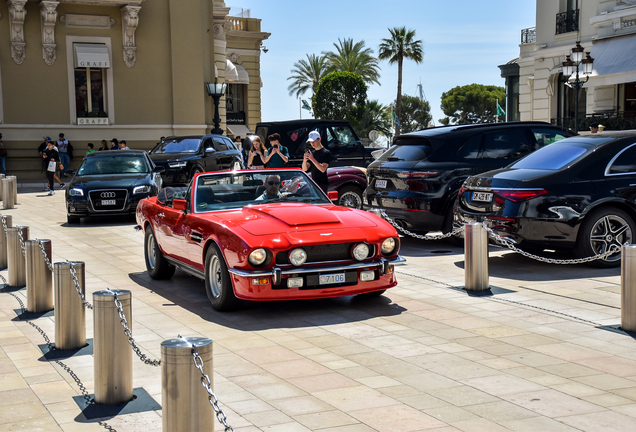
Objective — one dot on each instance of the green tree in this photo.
(402, 45)
(306, 75)
(355, 58)
(375, 116)
(474, 103)
(416, 114)
(340, 96)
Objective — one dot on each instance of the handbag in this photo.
(51, 167)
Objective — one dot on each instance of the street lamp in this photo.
(575, 65)
(216, 90)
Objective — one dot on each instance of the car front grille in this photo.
(102, 200)
(324, 253)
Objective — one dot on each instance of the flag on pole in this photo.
(396, 120)
(306, 105)
(500, 110)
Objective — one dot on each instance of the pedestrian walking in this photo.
(104, 146)
(114, 144)
(317, 161)
(52, 157)
(91, 148)
(256, 156)
(65, 150)
(3, 156)
(123, 145)
(41, 149)
(277, 155)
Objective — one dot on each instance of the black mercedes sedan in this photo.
(184, 156)
(112, 182)
(578, 194)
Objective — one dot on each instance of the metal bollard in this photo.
(70, 315)
(39, 280)
(628, 287)
(376, 211)
(14, 184)
(16, 262)
(476, 257)
(185, 402)
(113, 355)
(8, 220)
(1, 177)
(7, 194)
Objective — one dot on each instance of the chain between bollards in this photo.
(205, 382)
(47, 261)
(22, 243)
(77, 286)
(128, 332)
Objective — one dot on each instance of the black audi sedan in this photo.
(184, 156)
(417, 179)
(578, 194)
(111, 183)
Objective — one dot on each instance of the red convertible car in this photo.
(266, 235)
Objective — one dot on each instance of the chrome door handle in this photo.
(161, 215)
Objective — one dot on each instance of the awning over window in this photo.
(235, 74)
(91, 55)
(614, 56)
(240, 130)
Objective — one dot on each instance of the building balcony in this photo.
(529, 35)
(237, 23)
(567, 21)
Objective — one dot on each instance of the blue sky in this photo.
(464, 42)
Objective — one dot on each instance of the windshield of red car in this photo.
(222, 191)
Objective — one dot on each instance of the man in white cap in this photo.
(317, 161)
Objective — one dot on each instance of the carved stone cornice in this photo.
(48, 15)
(129, 23)
(17, 13)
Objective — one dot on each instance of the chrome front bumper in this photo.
(276, 273)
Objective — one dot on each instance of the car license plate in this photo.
(108, 202)
(333, 278)
(482, 196)
(380, 184)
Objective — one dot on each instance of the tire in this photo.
(372, 294)
(449, 225)
(350, 196)
(72, 220)
(156, 264)
(218, 285)
(602, 228)
(195, 170)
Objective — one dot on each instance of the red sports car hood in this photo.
(293, 217)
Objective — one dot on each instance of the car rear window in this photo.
(406, 152)
(552, 157)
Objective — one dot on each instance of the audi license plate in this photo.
(333, 278)
(482, 196)
(380, 184)
(108, 202)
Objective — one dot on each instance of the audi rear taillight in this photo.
(520, 195)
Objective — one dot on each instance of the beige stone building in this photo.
(536, 88)
(133, 70)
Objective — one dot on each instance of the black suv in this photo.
(184, 156)
(417, 179)
(337, 136)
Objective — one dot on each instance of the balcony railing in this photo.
(529, 35)
(617, 120)
(237, 23)
(567, 21)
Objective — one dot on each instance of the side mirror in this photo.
(179, 204)
(333, 195)
(159, 169)
(209, 149)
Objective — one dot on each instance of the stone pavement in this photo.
(540, 354)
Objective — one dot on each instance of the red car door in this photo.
(169, 232)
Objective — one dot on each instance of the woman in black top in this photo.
(257, 154)
(51, 154)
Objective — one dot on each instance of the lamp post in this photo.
(216, 90)
(571, 66)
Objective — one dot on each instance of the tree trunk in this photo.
(398, 100)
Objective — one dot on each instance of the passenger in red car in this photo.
(272, 189)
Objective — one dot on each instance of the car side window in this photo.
(208, 143)
(471, 148)
(340, 136)
(506, 144)
(625, 163)
(545, 136)
(230, 145)
(219, 144)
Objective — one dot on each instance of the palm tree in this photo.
(374, 117)
(401, 45)
(306, 74)
(354, 58)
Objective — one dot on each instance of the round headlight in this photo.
(361, 251)
(258, 256)
(388, 246)
(298, 256)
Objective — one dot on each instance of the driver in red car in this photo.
(272, 189)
